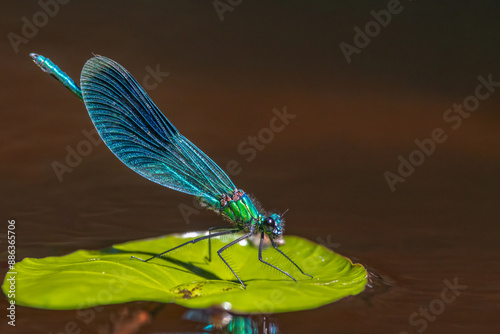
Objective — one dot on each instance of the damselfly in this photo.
(137, 132)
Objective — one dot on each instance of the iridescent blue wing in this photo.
(137, 132)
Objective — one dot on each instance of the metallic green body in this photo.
(242, 211)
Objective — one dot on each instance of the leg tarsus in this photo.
(261, 260)
(188, 242)
(281, 252)
(219, 252)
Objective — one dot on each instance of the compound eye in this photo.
(269, 222)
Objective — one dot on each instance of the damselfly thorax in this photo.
(239, 208)
(236, 206)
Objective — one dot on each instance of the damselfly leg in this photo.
(279, 250)
(276, 247)
(210, 231)
(187, 243)
(209, 237)
(229, 245)
(261, 260)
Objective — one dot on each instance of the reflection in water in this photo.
(220, 321)
(124, 321)
(377, 281)
(209, 321)
(377, 284)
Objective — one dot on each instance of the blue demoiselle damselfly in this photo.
(138, 133)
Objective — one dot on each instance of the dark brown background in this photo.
(327, 166)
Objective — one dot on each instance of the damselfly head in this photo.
(273, 225)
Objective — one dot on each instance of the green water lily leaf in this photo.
(85, 278)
